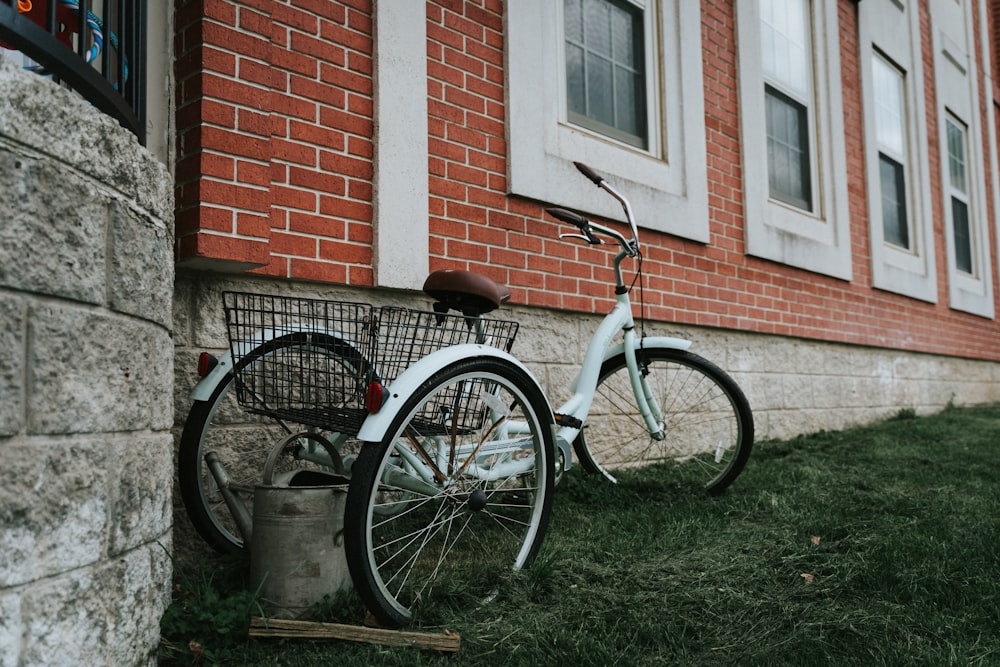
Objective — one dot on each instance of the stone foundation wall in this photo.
(86, 372)
(795, 386)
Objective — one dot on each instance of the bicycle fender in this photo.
(375, 425)
(206, 386)
(651, 343)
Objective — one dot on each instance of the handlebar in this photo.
(589, 173)
(587, 228)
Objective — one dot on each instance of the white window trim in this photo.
(817, 241)
(401, 190)
(986, 42)
(910, 272)
(957, 96)
(667, 185)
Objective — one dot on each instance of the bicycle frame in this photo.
(573, 413)
(600, 349)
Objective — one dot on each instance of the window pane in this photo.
(956, 156)
(627, 99)
(600, 90)
(622, 38)
(963, 239)
(894, 222)
(889, 120)
(576, 92)
(573, 17)
(785, 51)
(597, 27)
(605, 77)
(788, 149)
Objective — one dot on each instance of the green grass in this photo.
(872, 546)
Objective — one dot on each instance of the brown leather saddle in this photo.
(469, 293)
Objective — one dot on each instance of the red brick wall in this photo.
(274, 127)
(274, 113)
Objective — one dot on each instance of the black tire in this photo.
(244, 441)
(707, 420)
(451, 539)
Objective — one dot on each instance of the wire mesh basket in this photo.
(301, 360)
(310, 361)
(405, 336)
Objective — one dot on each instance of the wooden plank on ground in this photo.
(278, 627)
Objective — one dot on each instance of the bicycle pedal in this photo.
(568, 420)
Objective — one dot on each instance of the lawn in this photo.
(871, 546)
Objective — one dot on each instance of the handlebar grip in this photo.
(568, 216)
(575, 219)
(589, 173)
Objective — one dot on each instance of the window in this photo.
(890, 133)
(893, 184)
(963, 157)
(897, 163)
(785, 56)
(793, 134)
(788, 166)
(605, 73)
(616, 84)
(958, 193)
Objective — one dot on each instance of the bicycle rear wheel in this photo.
(244, 442)
(456, 496)
(706, 419)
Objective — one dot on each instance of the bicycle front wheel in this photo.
(707, 421)
(456, 496)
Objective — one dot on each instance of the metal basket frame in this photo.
(310, 361)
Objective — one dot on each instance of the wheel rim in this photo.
(701, 423)
(460, 535)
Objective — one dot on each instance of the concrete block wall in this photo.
(86, 275)
(795, 386)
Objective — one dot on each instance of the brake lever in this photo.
(589, 238)
(577, 221)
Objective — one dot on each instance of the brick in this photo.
(346, 208)
(361, 105)
(283, 243)
(316, 180)
(359, 232)
(488, 235)
(466, 213)
(317, 225)
(360, 276)
(295, 17)
(294, 152)
(319, 271)
(346, 37)
(253, 225)
(346, 165)
(469, 251)
(349, 253)
(227, 250)
(341, 120)
(505, 257)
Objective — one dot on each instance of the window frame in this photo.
(957, 96)
(910, 271)
(647, 65)
(667, 184)
(816, 240)
(805, 202)
(961, 195)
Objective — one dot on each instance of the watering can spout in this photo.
(236, 507)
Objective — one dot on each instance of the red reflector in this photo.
(374, 397)
(206, 362)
